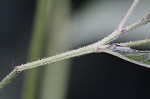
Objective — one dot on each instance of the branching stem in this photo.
(100, 45)
(128, 14)
(117, 32)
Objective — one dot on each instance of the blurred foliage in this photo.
(48, 38)
(37, 47)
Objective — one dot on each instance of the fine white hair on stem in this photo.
(128, 14)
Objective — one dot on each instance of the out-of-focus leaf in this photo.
(135, 56)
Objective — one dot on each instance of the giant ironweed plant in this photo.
(121, 50)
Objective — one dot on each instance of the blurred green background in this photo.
(34, 29)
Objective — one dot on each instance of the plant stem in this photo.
(78, 52)
(135, 43)
(139, 23)
(117, 32)
(128, 14)
(8, 78)
(59, 57)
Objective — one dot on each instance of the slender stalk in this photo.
(59, 57)
(128, 14)
(139, 23)
(8, 78)
(135, 43)
(117, 32)
(100, 45)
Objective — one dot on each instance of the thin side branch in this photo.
(139, 23)
(117, 32)
(128, 14)
(135, 43)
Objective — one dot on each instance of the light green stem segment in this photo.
(134, 43)
(8, 78)
(66, 55)
(118, 33)
(128, 14)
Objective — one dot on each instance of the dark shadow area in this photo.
(103, 76)
(16, 18)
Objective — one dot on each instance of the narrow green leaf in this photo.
(135, 56)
